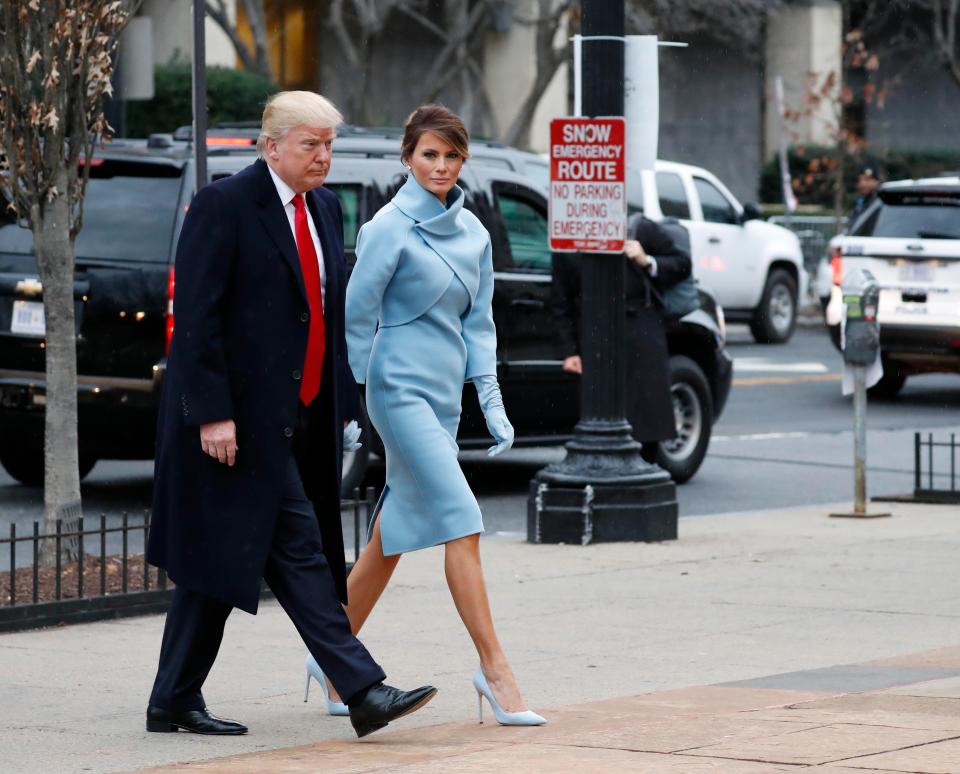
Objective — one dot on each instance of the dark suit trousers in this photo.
(299, 576)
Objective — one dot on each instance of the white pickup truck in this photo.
(754, 268)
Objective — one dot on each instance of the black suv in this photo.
(125, 282)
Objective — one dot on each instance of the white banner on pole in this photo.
(641, 98)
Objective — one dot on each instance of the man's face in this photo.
(867, 184)
(302, 157)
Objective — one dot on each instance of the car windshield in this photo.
(129, 214)
(932, 219)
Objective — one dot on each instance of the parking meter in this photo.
(861, 295)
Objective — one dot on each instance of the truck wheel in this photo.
(26, 465)
(355, 463)
(776, 316)
(693, 413)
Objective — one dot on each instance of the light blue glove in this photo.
(491, 402)
(351, 436)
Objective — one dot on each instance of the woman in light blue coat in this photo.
(419, 325)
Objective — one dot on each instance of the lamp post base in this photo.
(602, 491)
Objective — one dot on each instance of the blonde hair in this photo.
(287, 109)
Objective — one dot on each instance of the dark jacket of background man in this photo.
(649, 405)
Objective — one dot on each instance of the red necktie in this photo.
(310, 265)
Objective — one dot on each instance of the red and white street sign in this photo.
(588, 192)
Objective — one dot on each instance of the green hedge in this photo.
(811, 169)
(232, 95)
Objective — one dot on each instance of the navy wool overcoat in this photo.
(241, 324)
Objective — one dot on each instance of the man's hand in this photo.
(219, 440)
(635, 252)
(573, 364)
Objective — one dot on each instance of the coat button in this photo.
(304, 317)
(288, 432)
(296, 374)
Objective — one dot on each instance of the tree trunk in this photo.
(55, 261)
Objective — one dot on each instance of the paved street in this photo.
(784, 439)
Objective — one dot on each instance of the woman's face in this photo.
(436, 165)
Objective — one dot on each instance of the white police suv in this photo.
(909, 238)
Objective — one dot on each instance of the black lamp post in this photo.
(603, 490)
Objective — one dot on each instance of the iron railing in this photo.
(87, 580)
(935, 461)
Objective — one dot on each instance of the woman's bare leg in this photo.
(365, 584)
(465, 579)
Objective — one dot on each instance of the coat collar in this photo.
(416, 202)
(445, 230)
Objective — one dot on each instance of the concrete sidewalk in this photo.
(737, 598)
(790, 722)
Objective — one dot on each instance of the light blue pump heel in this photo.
(314, 671)
(504, 718)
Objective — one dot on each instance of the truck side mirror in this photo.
(751, 211)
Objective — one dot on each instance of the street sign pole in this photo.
(603, 490)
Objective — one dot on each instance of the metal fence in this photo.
(814, 233)
(935, 461)
(85, 581)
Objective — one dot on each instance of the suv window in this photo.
(129, 213)
(924, 219)
(673, 196)
(349, 196)
(716, 207)
(526, 228)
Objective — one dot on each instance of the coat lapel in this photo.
(329, 248)
(275, 221)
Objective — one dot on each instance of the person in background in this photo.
(868, 185)
(654, 263)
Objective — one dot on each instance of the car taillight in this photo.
(836, 265)
(169, 314)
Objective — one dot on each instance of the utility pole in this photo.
(603, 490)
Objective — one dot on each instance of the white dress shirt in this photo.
(286, 194)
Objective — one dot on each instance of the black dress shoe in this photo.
(382, 703)
(197, 721)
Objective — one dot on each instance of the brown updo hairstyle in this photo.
(443, 122)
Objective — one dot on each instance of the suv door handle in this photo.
(714, 240)
(529, 303)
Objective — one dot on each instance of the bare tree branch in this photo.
(257, 60)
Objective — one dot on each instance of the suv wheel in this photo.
(26, 465)
(355, 463)
(774, 319)
(693, 413)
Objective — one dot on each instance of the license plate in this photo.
(917, 272)
(28, 318)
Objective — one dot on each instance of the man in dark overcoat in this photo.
(249, 442)
(654, 263)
